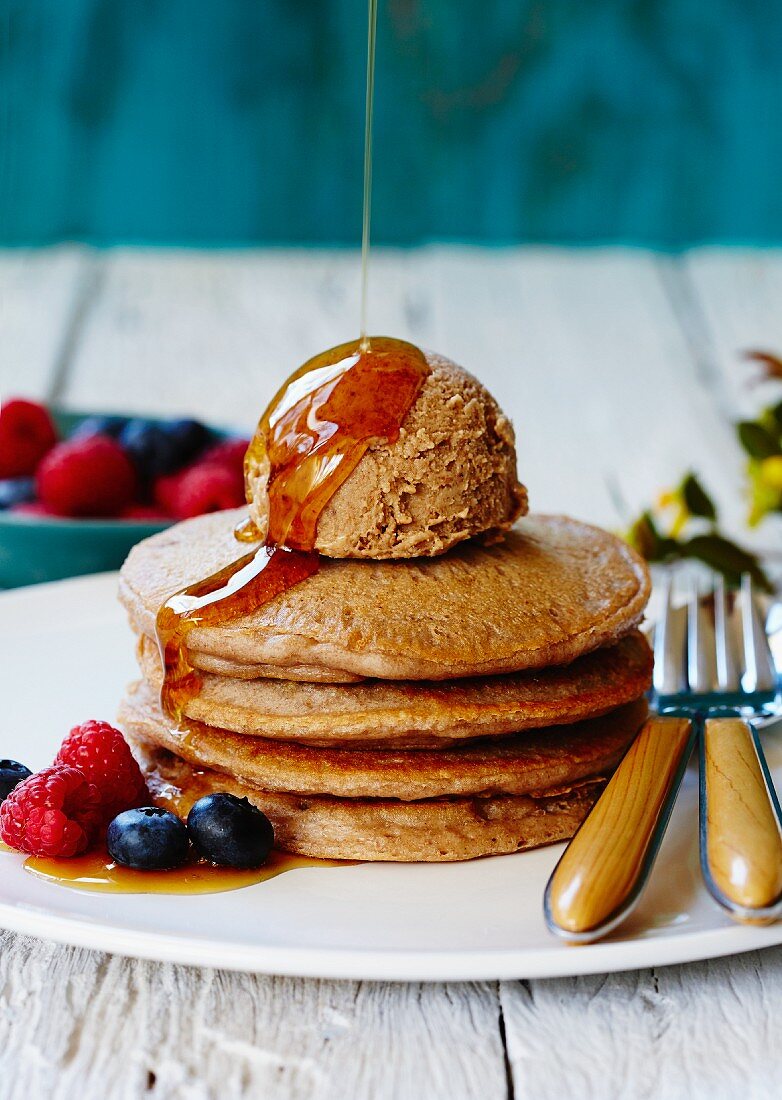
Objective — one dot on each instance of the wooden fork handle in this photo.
(741, 843)
(606, 865)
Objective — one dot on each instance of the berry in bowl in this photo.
(77, 491)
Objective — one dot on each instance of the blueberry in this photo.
(16, 490)
(99, 425)
(190, 436)
(149, 839)
(11, 775)
(230, 831)
(150, 447)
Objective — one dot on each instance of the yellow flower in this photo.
(674, 498)
(771, 472)
(765, 480)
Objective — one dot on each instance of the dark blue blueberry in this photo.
(11, 775)
(230, 831)
(149, 839)
(16, 490)
(99, 425)
(191, 437)
(152, 450)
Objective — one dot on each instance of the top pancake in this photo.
(552, 590)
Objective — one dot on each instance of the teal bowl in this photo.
(33, 550)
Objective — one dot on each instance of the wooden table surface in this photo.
(620, 369)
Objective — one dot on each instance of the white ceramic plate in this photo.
(66, 656)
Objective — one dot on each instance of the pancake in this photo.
(551, 591)
(309, 674)
(524, 764)
(434, 830)
(414, 714)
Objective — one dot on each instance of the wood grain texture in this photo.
(644, 122)
(608, 858)
(731, 300)
(727, 302)
(79, 1023)
(612, 363)
(706, 1031)
(743, 841)
(41, 306)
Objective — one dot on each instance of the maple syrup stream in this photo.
(310, 439)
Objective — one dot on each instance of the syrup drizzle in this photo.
(311, 437)
(367, 216)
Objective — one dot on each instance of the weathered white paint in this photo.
(611, 363)
(42, 295)
(81, 1024)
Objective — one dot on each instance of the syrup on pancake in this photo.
(312, 435)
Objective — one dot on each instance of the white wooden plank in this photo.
(738, 297)
(728, 301)
(704, 1030)
(215, 334)
(78, 1023)
(39, 292)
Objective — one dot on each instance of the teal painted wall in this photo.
(214, 122)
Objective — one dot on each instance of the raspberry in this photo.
(54, 813)
(229, 453)
(206, 487)
(191, 492)
(101, 754)
(26, 434)
(87, 477)
(165, 489)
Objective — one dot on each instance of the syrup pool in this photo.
(97, 872)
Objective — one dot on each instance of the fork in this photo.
(704, 689)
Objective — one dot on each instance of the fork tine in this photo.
(668, 676)
(728, 678)
(701, 662)
(760, 674)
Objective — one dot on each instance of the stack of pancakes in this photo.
(417, 709)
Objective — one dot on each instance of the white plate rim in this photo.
(373, 965)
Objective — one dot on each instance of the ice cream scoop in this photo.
(450, 475)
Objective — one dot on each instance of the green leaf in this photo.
(771, 420)
(644, 537)
(726, 558)
(756, 440)
(697, 500)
